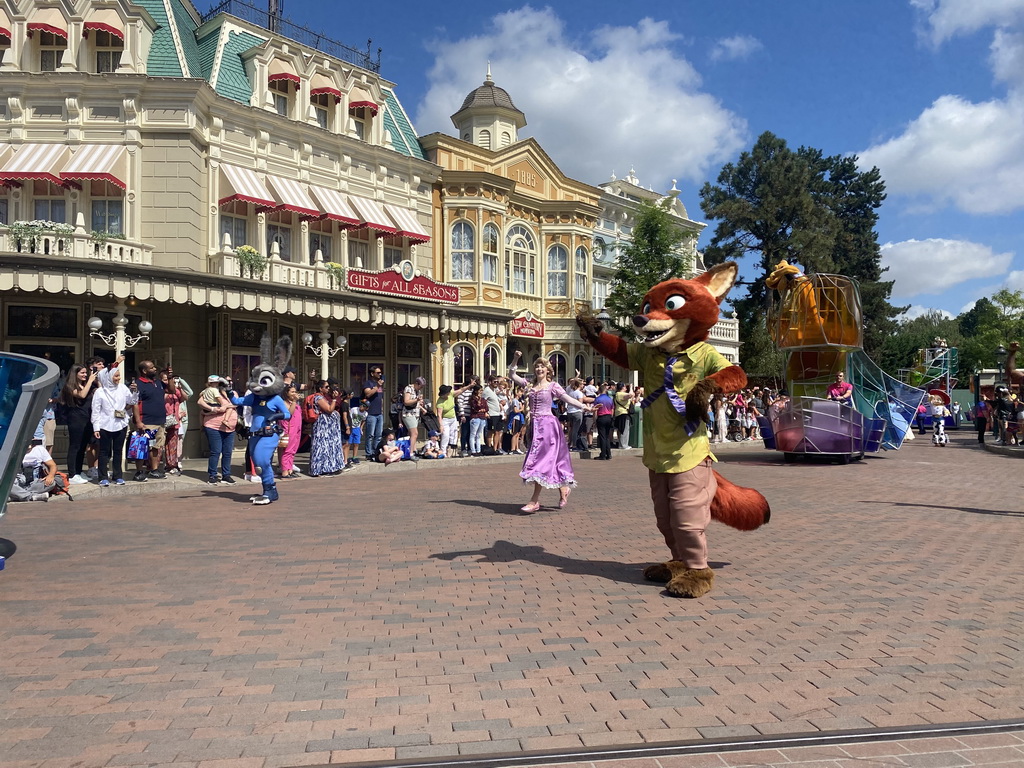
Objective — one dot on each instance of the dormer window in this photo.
(108, 52)
(51, 51)
(322, 103)
(281, 93)
(362, 110)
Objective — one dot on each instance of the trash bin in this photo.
(636, 430)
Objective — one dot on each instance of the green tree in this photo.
(809, 209)
(899, 350)
(853, 197)
(765, 206)
(653, 255)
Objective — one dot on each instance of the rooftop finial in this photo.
(673, 186)
(488, 80)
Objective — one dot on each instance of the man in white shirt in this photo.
(495, 422)
(39, 472)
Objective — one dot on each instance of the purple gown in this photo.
(547, 463)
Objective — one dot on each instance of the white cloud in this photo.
(621, 98)
(958, 152)
(971, 155)
(1014, 281)
(917, 310)
(735, 48)
(947, 18)
(933, 266)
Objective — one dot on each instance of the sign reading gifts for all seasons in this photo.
(527, 326)
(403, 280)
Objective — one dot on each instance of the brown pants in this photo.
(682, 506)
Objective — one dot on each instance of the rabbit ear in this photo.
(266, 350)
(283, 352)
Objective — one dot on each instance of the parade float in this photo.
(816, 321)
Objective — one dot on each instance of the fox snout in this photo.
(640, 321)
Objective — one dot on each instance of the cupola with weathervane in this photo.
(488, 118)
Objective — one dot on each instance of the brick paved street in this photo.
(416, 613)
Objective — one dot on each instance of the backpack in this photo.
(309, 409)
(60, 486)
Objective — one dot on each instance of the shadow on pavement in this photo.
(972, 510)
(508, 552)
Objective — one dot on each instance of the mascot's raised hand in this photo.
(681, 372)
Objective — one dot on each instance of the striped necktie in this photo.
(668, 389)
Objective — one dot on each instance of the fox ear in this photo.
(720, 278)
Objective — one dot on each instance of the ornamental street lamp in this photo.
(1001, 355)
(605, 319)
(324, 350)
(119, 340)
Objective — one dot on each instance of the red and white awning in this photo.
(36, 162)
(243, 184)
(281, 70)
(372, 216)
(5, 25)
(105, 20)
(292, 197)
(49, 20)
(360, 99)
(319, 84)
(335, 206)
(105, 162)
(407, 224)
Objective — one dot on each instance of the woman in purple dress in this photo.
(547, 464)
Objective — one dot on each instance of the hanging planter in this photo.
(336, 271)
(27, 233)
(251, 261)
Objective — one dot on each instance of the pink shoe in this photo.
(533, 506)
(565, 498)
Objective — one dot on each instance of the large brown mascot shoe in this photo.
(691, 583)
(663, 572)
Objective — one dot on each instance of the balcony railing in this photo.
(277, 271)
(727, 330)
(76, 245)
(318, 41)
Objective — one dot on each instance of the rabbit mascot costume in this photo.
(266, 383)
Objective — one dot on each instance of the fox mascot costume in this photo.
(681, 372)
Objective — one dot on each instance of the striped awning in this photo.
(106, 162)
(36, 161)
(407, 224)
(335, 206)
(372, 216)
(319, 84)
(291, 196)
(49, 20)
(243, 184)
(360, 99)
(105, 20)
(281, 70)
(5, 25)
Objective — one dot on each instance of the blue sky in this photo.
(930, 91)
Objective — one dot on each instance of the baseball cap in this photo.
(213, 378)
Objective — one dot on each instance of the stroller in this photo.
(735, 432)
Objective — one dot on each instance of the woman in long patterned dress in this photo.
(325, 447)
(547, 463)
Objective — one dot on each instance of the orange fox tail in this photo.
(742, 508)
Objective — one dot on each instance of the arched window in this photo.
(581, 364)
(558, 266)
(491, 238)
(520, 260)
(465, 363)
(581, 275)
(485, 138)
(491, 361)
(462, 251)
(558, 363)
(506, 138)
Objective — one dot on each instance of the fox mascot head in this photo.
(676, 314)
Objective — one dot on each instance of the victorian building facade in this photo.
(519, 236)
(221, 176)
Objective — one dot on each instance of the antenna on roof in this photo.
(275, 9)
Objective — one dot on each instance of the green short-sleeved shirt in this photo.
(667, 447)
